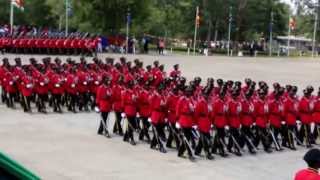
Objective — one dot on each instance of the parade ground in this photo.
(66, 146)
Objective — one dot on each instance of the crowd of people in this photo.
(217, 117)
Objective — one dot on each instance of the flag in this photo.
(18, 3)
(292, 23)
(69, 8)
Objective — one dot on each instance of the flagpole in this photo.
(195, 31)
(229, 30)
(271, 31)
(314, 33)
(11, 17)
(67, 18)
(127, 32)
(289, 33)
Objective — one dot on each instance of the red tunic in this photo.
(129, 102)
(185, 112)
(316, 110)
(307, 174)
(247, 112)
(116, 98)
(172, 102)
(261, 113)
(202, 115)
(275, 112)
(234, 110)
(305, 110)
(144, 103)
(290, 107)
(104, 98)
(219, 113)
(158, 108)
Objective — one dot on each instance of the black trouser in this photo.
(262, 136)
(72, 102)
(204, 143)
(173, 135)
(130, 129)
(186, 134)
(219, 141)
(10, 100)
(316, 133)
(26, 100)
(56, 102)
(247, 137)
(41, 102)
(83, 101)
(117, 124)
(3, 95)
(145, 129)
(305, 134)
(234, 139)
(158, 135)
(276, 132)
(104, 118)
(291, 131)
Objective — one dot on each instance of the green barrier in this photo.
(15, 169)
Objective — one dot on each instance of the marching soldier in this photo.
(144, 111)
(104, 102)
(172, 102)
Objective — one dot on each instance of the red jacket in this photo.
(247, 112)
(104, 98)
(307, 174)
(116, 98)
(275, 112)
(234, 111)
(305, 111)
(185, 112)
(129, 102)
(316, 110)
(57, 84)
(158, 108)
(261, 113)
(219, 113)
(172, 102)
(27, 85)
(202, 115)
(290, 110)
(71, 84)
(144, 103)
(41, 85)
(83, 83)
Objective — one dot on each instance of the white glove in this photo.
(41, 84)
(123, 115)
(227, 128)
(97, 109)
(138, 115)
(149, 120)
(283, 122)
(178, 125)
(254, 124)
(195, 127)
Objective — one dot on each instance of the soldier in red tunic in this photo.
(129, 103)
(144, 104)
(185, 113)
(158, 113)
(234, 111)
(305, 112)
(261, 120)
(204, 123)
(117, 91)
(316, 116)
(172, 101)
(218, 115)
(312, 158)
(104, 102)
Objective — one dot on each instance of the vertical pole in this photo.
(195, 31)
(67, 17)
(229, 30)
(314, 33)
(127, 32)
(289, 33)
(11, 17)
(270, 37)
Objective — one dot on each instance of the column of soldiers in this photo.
(166, 111)
(54, 43)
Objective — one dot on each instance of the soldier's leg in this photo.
(132, 128)
(200, 145)
(104, 117)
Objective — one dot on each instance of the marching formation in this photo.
(219, 117)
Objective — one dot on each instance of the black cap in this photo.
(312, 156)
